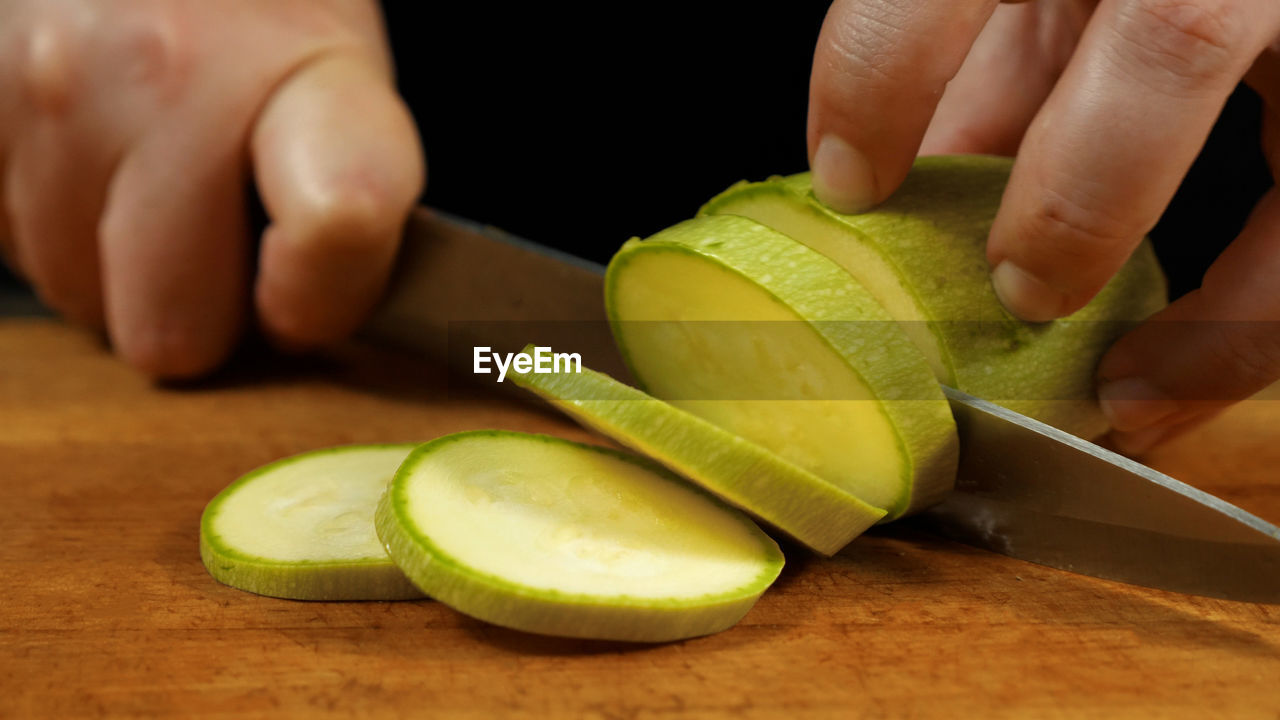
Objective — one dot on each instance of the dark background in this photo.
(580, 129)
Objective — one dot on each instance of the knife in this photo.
(1024, 489)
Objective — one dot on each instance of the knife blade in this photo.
(1024, 489)
(1030, 491)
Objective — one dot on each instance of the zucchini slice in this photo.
(766, 338)
(550, 536)
(797, 502)
(302, 528)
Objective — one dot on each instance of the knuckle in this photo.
(157, 52)
(1191, 42)
(1071, 232)
(47, 64)
(359, 215)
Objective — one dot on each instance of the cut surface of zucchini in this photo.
(806, 507)
(302, 528)
(768, 339)
(555, 537)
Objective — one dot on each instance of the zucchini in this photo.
(797, 502)
(555, 537)
(302, 528)
(770, 340)
(922, 255)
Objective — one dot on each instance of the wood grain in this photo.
(107, 610)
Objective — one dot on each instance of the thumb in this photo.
(338, 165)
(1209, 349)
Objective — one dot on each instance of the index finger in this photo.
(878, 73)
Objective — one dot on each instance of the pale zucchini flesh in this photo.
(550, 536)
(760, 335)
(302, 528)
(809, 509)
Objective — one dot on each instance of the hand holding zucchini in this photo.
(922, 255)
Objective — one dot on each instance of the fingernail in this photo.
(1132, 404)
(1025, 295)
(1138, 442)
(842, 176)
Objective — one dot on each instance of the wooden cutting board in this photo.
(106, 608)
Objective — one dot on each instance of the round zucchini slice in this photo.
(550, 536)
(302, 528)
(770, 340)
